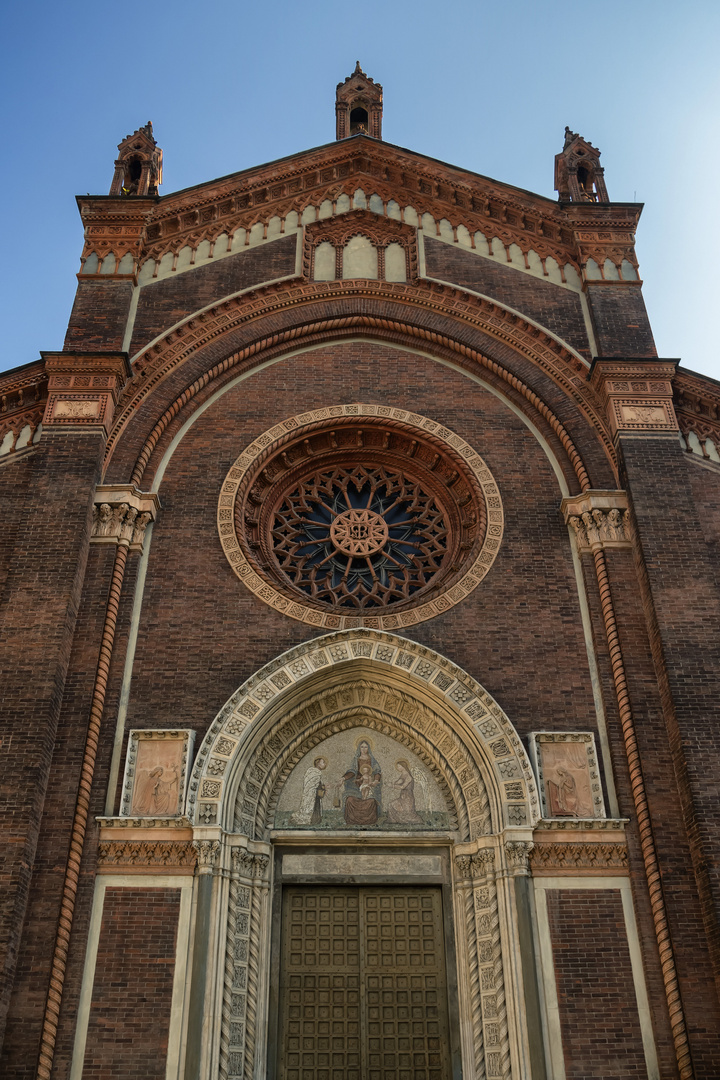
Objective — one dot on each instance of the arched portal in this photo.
(356, 778)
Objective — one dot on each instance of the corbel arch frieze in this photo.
(224, 329)
(344, 678)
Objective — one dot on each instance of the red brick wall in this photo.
(99, 315)
(40, 601)
(33, 970)
(127, 1035)
(560, 310)
(620, 321)
(598, 1014)
(163, 303)
(524, 616)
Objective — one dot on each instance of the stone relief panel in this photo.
(568, 775)
(156, 773)
(361, 779)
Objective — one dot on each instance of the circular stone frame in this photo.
(271, 441)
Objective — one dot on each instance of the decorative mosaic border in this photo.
(502, 749)
(329, 620)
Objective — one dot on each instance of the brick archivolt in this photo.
(404, 311)
(354, 678)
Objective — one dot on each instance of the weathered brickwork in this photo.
(163, 303)
(552, 306)
(41, 597)
(620, 320)
(132, 993)
(598, 1014)
(682, 609)
(99, 315)
(684, 909)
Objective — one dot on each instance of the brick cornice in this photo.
(637, 393)
(83, 389)
(697, 404)
(23, 393)
(153, 226)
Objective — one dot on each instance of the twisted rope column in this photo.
(229, 972)
(79, 826)
(464, 867)
(642, 811)
(259, 864)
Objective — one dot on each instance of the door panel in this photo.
(362, 985)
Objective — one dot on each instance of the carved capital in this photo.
(121, 515)
(248, 865)
(599, 519)
(517, 853)
(478, 865)
(208, 852)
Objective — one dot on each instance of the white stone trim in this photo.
(398, 661)
(549, 999)
(176, 1042)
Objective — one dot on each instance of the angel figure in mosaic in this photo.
(310, 811)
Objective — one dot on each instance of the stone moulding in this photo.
(330, 619)
(145, 846)
(573, 858)
(146, 856)
(121, 515)
(397, 661)
(599, 519)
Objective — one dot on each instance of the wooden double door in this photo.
(363, 992)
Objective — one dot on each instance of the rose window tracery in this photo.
(360, 537)
(360, 515)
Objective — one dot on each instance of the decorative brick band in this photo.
(145, 856)
(573, 858)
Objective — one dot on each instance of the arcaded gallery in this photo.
(359, 610)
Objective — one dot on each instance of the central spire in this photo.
(358, 106)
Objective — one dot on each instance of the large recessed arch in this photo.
(366, 678)
(177, 371)
(393, 681)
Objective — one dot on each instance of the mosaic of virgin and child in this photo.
(359, 795)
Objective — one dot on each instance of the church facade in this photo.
(359, 620)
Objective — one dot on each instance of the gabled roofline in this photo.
(351, 139)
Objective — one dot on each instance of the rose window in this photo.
(360, 515)
(360, 537)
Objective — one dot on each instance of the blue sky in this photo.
(487, 86)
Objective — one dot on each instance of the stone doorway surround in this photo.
(381, 683)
